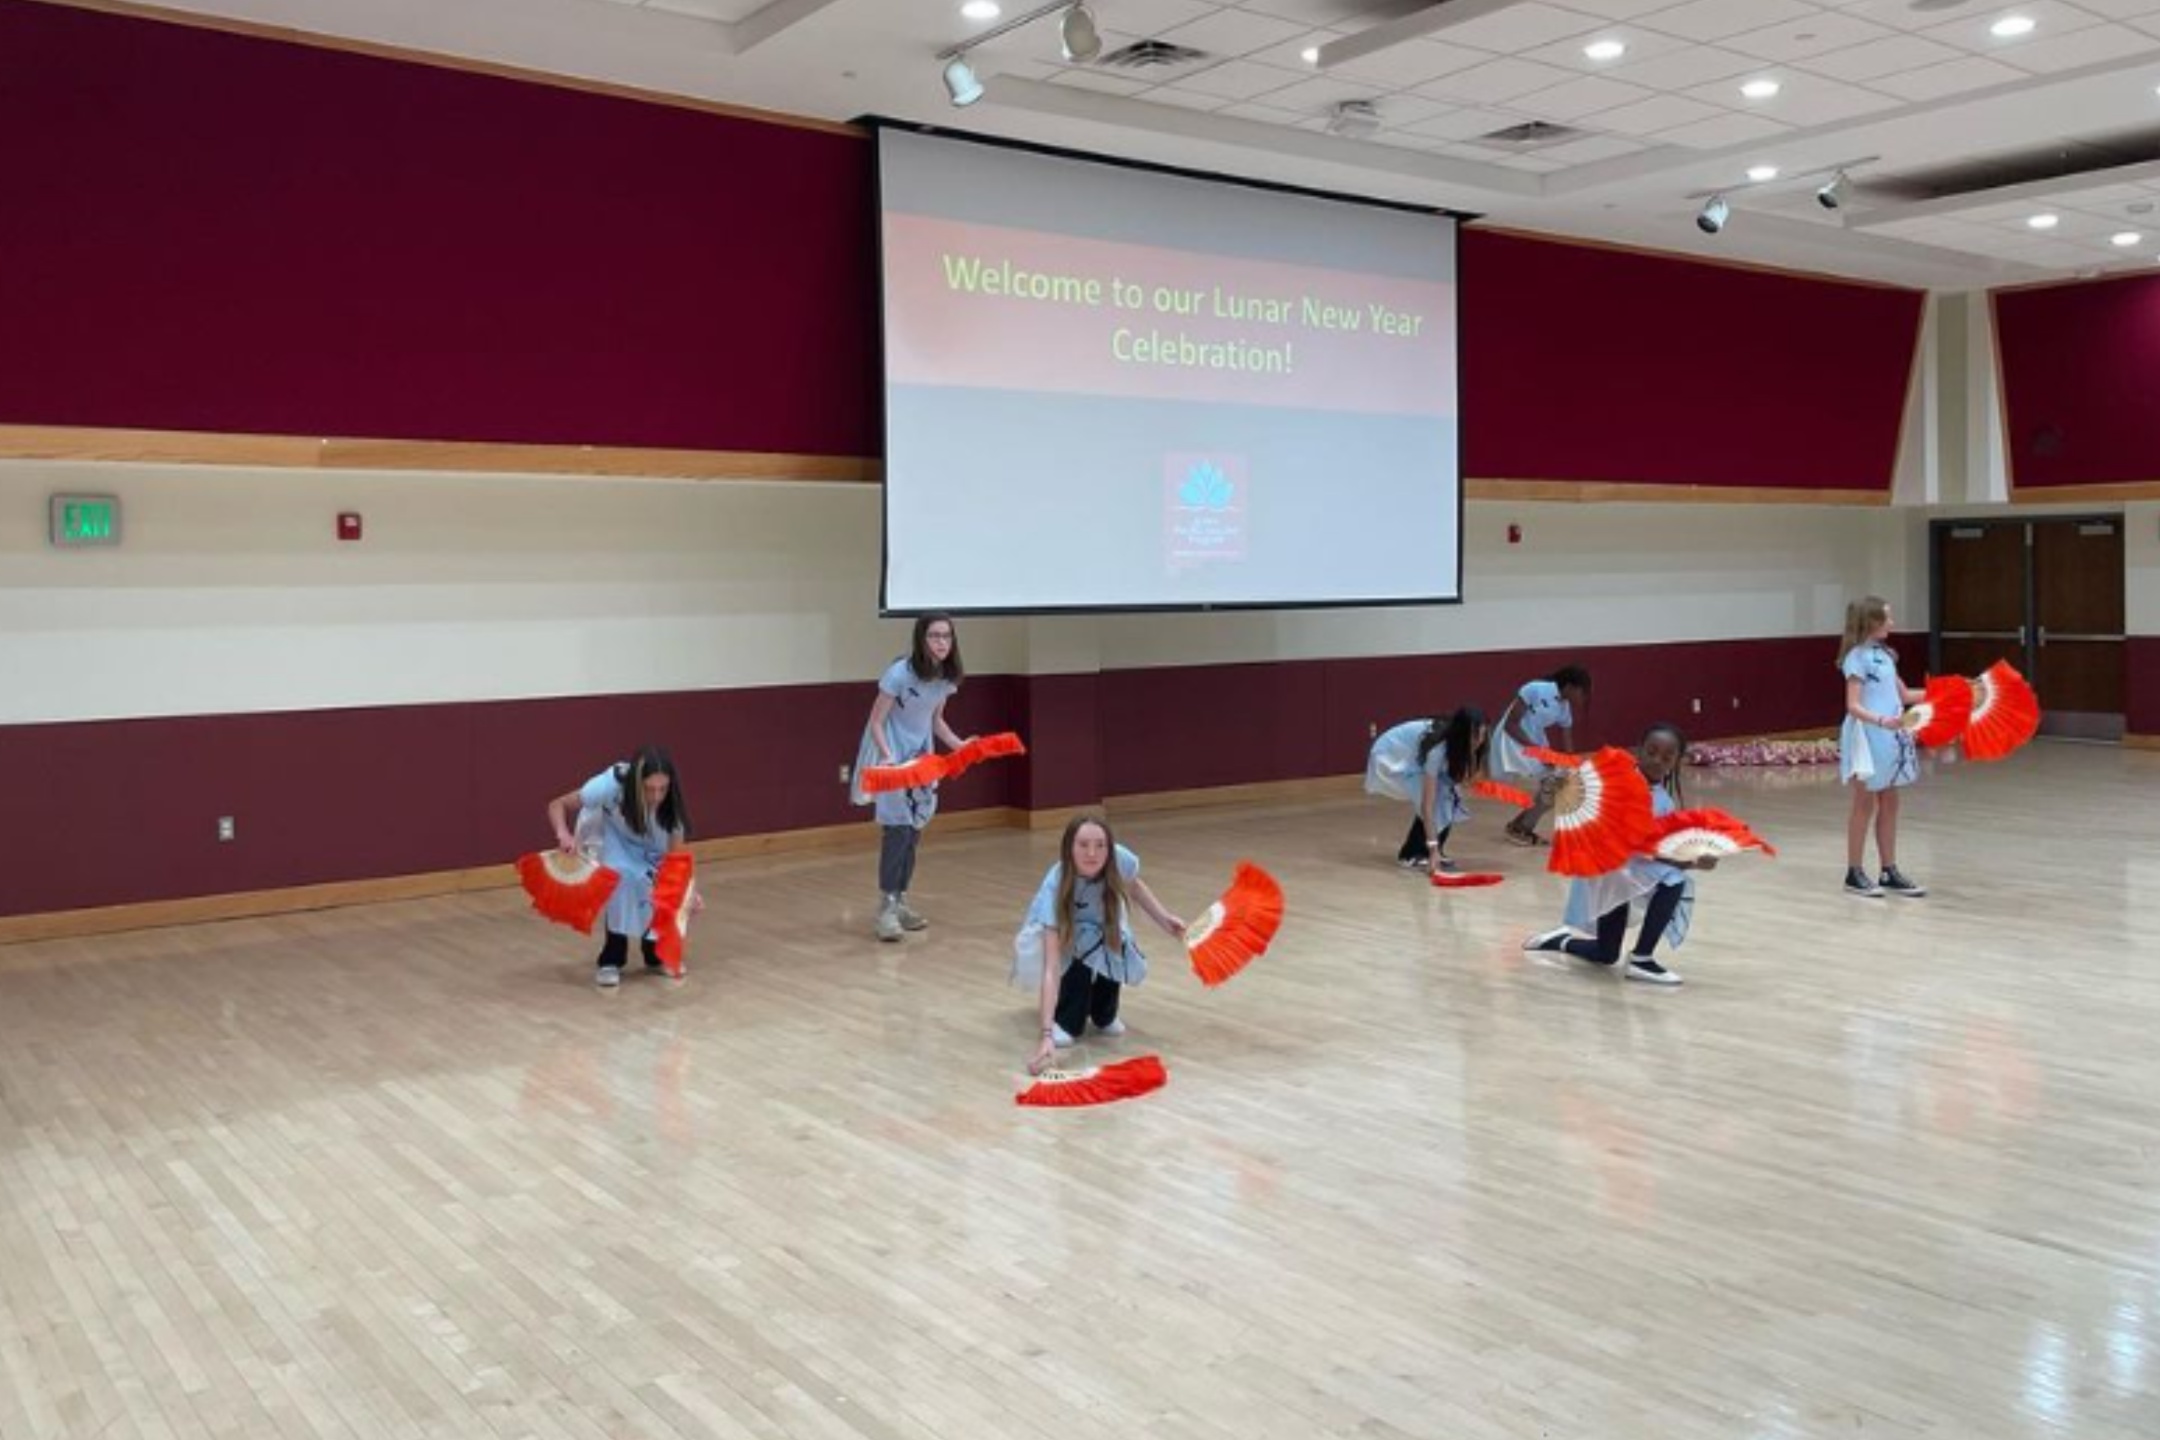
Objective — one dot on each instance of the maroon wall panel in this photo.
(351, 794)
(1187, 727)
(2078, 363)
(1582, 363)
(2142, 704)
(1060, 718)
(211, 232)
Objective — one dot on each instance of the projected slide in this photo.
(1115, 388)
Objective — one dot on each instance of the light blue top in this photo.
(1392, 769)
(634, 855)
(1121, 961)
(1541, 707)
(1601, 894)
(910, 732)
(1874, 665)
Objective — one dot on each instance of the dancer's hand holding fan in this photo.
(567, 886)
(1601, 810)
(1698, 839)
(1943, 714)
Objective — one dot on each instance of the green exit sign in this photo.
(85, 520)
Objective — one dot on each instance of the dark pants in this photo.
(896, 858)
(615, 951)
(1413, 845)
(1612, 929)
(1083, 996)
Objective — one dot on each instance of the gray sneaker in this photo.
(909, 920)
(888, 923)
(607, 977)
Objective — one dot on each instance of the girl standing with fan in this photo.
(1077, 937)
(1603, 904)
(1427, 763)
(1877, 755)
(906, 721)
(633, 814)
(1542, 714)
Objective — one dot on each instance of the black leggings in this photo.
(1612, 930)
(896, 858)
(1083, 996)
(1413, 845)
(615, 951)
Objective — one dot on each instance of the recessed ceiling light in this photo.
(1604, 49)
(981, 10)
(2044, 222)
(1310, 55)
(1760, 173)
(2011, 26)
(2125, 238)
(1759, 89)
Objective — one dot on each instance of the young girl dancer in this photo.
(632, 814)
(1541, 714)
(1877, 755)
(1603, 903)
(1078, 932)
(905, 721)
(1427, 763)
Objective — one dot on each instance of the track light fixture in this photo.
(1354, 119)
(1836, 192)
(1078, 39)
(1712, 217)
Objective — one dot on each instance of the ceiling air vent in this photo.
(1528, 136)
(1152, 55)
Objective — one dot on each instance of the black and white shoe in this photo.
(1650, 972)
(1895, 882)
(1857, 883)
(1554, 939)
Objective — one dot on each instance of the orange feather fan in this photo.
(1601, 811)
(1465, 879)
(930, 768)
(570, 890)
(2005, 713)
(1235, 930)
(1508, 794)
(674, 892)
(1940, 718)
(1687, 835)
(1103, 1085)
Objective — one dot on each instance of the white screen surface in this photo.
(1116, 388)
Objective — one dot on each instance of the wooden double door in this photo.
(2046, 595)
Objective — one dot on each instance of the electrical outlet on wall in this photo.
(225, 828)
(1372, 729)
(1694, 707)
(847, 773)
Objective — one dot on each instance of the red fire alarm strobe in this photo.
(348, 525)
(1514, 534)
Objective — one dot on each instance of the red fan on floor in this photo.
(1103, 1085)
(1508, 794)
(1464, 879)
(1601, 811)
(570, 890)
(674, 896)
(2005, 713)
(1940, 718)
(1686, 836)
(1237, 929)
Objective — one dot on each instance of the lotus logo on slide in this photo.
(1207, 488)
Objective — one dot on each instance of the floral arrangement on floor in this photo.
(1765, 752)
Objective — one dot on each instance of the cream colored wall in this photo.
(2141, 559)
(231, 593)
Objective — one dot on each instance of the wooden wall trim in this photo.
(257, 30)
(2141, 742)
(297, 452)
(2085, 494)
(1602, 492)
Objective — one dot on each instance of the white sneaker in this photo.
(1553, 939)
(607, 977)
(1059, 1038)
(1651, 972)
(1112, 1030)
(888, 923)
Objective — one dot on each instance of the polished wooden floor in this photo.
(1878, 1169)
